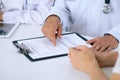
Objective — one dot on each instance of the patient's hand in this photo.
(83, 58)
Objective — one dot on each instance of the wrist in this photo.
(97, 74)
(93, 69)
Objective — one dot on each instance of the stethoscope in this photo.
(107, 7)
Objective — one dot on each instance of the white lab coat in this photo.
(87, 18)
(13, 11)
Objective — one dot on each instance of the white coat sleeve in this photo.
(60, 9)
(115, 32)
(42, 11)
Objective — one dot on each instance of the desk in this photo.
(15, 66)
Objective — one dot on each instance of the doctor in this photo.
(99, 19)
(24, 11)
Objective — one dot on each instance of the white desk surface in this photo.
(15, 66)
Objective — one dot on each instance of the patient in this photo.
(81, 57)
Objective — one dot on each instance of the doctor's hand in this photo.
(104, 44)
(52, 29)
(106, 60)
(83, 58)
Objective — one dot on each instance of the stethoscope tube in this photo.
(107, 1)
(106, 8)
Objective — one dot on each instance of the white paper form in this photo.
(42, 47)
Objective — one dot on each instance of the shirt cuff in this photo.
(7, 16)
(56, 12)
(116, 35)
(64, 16)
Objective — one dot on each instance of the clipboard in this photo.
(23, 49)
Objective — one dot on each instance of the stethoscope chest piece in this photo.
(107, 8)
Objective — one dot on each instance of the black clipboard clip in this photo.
(22, 48)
